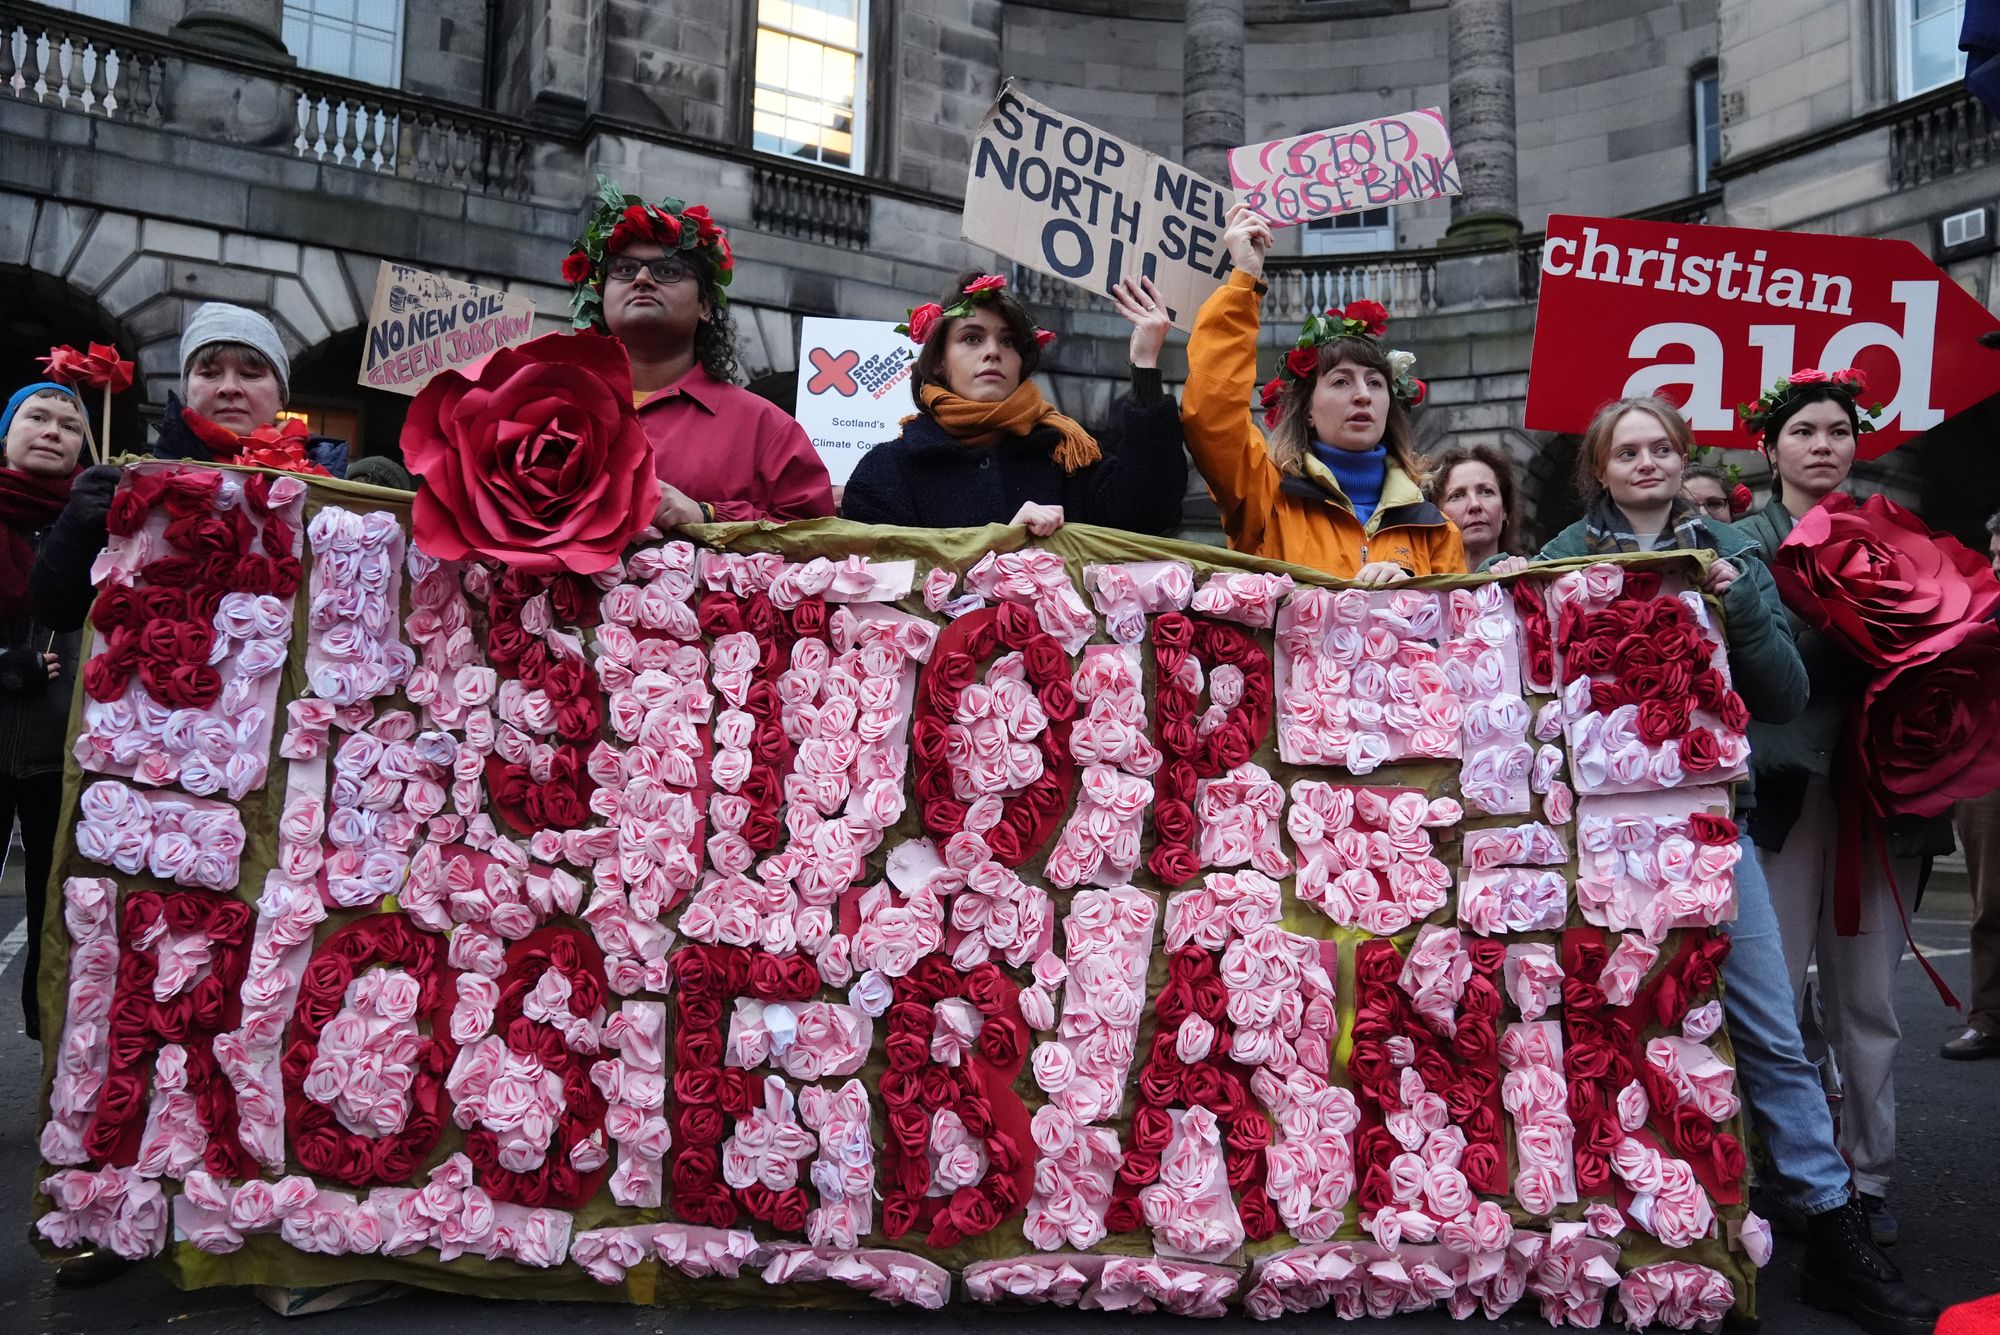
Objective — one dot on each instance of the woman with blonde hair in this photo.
(1337, 485)
(1631, 464)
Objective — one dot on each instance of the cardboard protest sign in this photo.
(1708, 317)
(854, 388)
(422, 323)
(1366, 165)
(1073, 202)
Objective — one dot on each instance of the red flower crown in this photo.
(619, 219)
(923, 319)
(1358, 319)
(1850, 384)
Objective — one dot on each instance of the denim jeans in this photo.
(1782, 1088)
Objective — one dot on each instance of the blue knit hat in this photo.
(26, 392)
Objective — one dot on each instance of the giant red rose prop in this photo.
(534, 457)
(1880, 583)
(1928, 729)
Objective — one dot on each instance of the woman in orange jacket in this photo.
(1338, 486)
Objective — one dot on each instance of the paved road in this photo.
(1948, 1197)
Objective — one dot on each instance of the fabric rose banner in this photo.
(830, 915)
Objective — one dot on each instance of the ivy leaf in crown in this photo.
(1361, 318)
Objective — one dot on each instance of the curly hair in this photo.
(715, 337)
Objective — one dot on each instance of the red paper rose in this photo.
(1880, 583)
(1373, 314)
(98, 368)
(1928, 729)
(535, 459)
(923, 319)
(576, 267)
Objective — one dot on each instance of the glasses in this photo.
(666, 270)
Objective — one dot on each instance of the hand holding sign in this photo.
(1146, 311)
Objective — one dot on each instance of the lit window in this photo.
(1351, 233)
(111, 11)
(356, 39)
(810, 60)
(1707, 128)
(1927, 54)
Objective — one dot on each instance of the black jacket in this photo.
(60, 586)
(34, 710)
(927, 479)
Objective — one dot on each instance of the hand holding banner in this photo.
(1366, 165)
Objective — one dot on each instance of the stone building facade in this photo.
(157, 153)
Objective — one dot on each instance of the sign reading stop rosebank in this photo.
(1707, 317)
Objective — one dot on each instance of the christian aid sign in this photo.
(1706, 317)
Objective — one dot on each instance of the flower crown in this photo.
(618, 219)
(1850, 384)
(922, 320)
(1359, 319)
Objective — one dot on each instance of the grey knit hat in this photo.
(219, 322)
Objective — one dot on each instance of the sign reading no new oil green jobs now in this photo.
(1065, 198)
(423, 323)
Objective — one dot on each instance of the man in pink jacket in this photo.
(656, 277)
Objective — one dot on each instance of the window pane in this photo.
(379, 14)
(815, 86)
(1934, 54)
(1923, 9)
(373, 60)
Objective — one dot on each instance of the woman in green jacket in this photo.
(1631, 461)
(1630, 465)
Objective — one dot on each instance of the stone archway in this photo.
(44, 312)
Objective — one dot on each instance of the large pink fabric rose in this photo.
(534, 457)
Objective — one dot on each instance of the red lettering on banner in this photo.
(1190, 756)
(1458, 1063)
(141, 1025)
(776, 630)
(979, 1091)
(1032, 816)
(318, 1141)
(1194, 987)
(707, 1098)
(557, 1182)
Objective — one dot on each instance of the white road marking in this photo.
(12, 945)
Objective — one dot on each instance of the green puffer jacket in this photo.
(1785, 757)
(1763, 661)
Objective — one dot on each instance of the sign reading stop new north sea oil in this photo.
(1073, 202)
(1708, 317)
(422, 323)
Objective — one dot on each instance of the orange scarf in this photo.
(1016, 415)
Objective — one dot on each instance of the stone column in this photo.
(1212, 112)
(1482, 120)
(253, 27)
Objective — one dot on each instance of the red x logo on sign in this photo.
(833, 371)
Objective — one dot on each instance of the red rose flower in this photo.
(923, 319)
(1302, 362)
(1708, 828)
(1851, 379)
(1927, 729)
(1880, 583)
(1044, 337)
(98, 368)
(1811, 375)
(1372, 314)
(991, 282)
(536, 459)
(576, 267)
(1419, 391)
(1739, 500)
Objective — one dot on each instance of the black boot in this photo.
(1846, 1272)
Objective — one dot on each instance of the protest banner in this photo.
(422, 323)
(740, 913)
(854, 388)
(1073, 202)
(1709, 317)
(1366, 165)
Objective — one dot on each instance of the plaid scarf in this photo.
(1607, 530)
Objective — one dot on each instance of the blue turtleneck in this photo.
(1360, 473)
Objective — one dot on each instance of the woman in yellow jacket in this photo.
(1338, 486)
